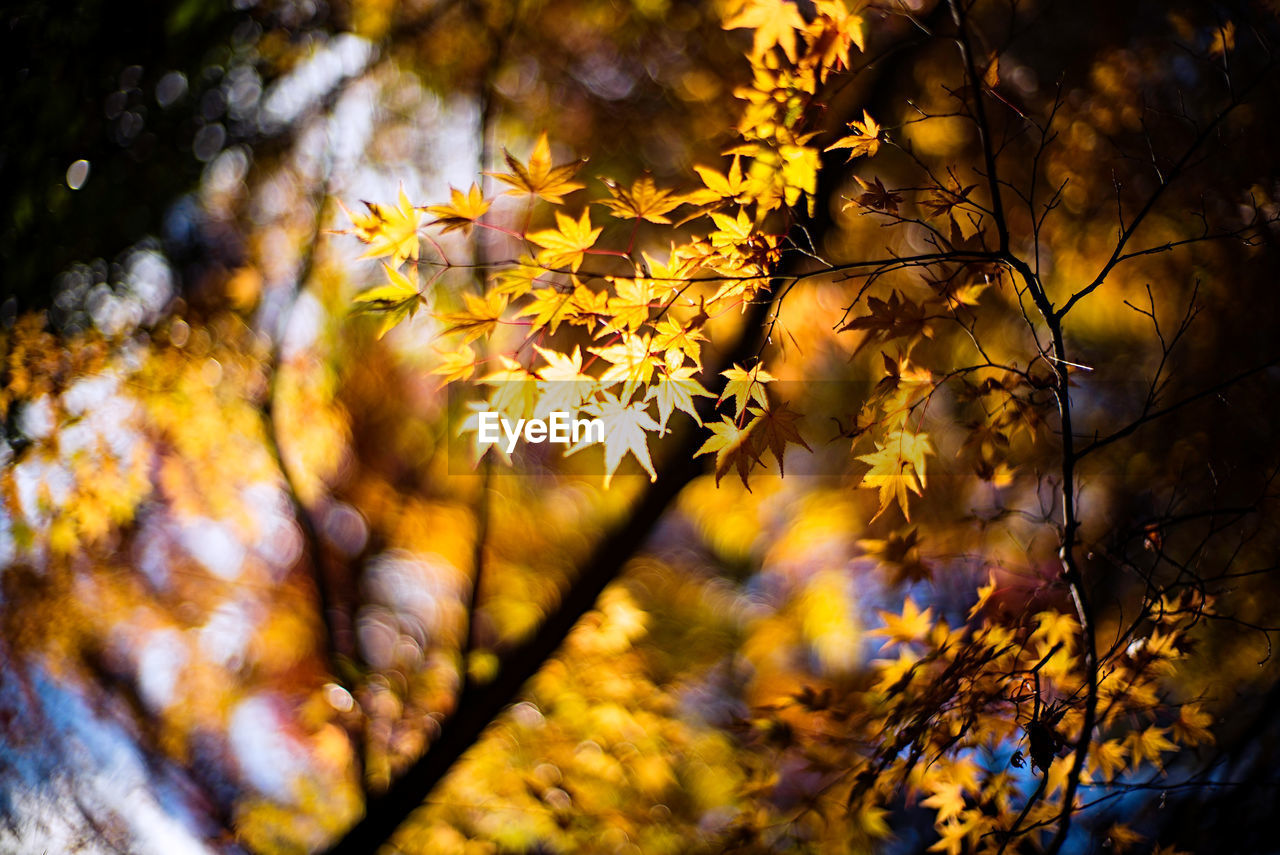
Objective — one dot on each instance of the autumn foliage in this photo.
(934, 507)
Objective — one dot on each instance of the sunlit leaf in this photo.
(462, 211)
(539, 177)
(625, 426)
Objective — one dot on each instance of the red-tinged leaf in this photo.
(776, 429)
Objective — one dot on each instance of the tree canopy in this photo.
(933, 502)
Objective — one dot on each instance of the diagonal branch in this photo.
(1118, 254)
(479, 705)
(1146, 418)
(982, 124)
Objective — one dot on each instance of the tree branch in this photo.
(479, 705)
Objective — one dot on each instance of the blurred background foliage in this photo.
(238, 556)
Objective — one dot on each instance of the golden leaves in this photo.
(566, 244)
(462, 211)
(539, 178)
(898, 467)
(1147, 745)
(630, 308)
(456, 364)
(775, 23)
(984, 595)
(834, 30)
(564, 386)
(672, 336)
(388, 229)
(731, 231)
(632, 361)
(643, 201)
(947, 800)
(651, 331)
(911, 626)
(395, 300)
(742, 442)
(865, 139)
(1224, 40)
(547, 308)
(478, 319)
(745, 386)
(732, 446)
(719, 185)
(675, 390)
(1192, 726)
(959, 833)
(645, 321)
(624, 431)
(1056, 629)
(1108, 758)
(649, 337)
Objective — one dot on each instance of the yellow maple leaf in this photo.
(872, 820)
(666, 278)
(947, 800)
(624, 431)
(568, 242)
(675, 390)
(517, 279)
(548, 308)
(797, 173)
(894, 674)
(564, 387)
(643, 201)
(629, 309)
(732, 446)
(1107, 758)
(632, 362)
(984, 594)
(731, 231)
(865, 139)
(589, 306)
(540, 178)
(398, 288)
(1224, 40)
(834, 30)
(1057, 628)
(744, 386)
(456, 364)
(775, 23)
(462, 210)
(389, 230)
(1120, 838)
(1147, 745)
(1192, 726)
(897, 467)
(514, 390)
(671, 336)
(954, 834)
(912, 626)
(394, 300)
(480, 317)
(719, 185)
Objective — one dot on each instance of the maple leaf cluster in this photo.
(643, 316)
(617, 290)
